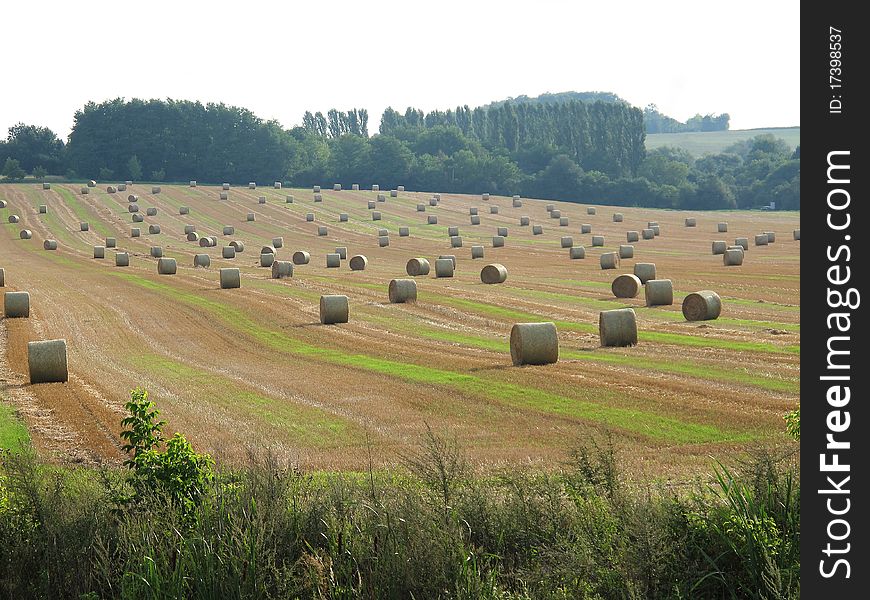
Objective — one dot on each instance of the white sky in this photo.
(282, 58)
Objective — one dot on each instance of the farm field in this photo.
(699, 143)
(253, 367)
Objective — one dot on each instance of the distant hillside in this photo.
(712, 142)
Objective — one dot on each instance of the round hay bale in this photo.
(597, 240)
(498, 241)
(383, 241)
(25, 234)
(301, 257)
(402, 290)
(626, 251)
(289, 199)
(567, 241)
(278, 242)
(49, 244)
(342, 252)
(230, 278)
(43, 209)
(400, 188)
(517, 203)
(133, 208)
(502, 231)
(153, 229)
(46, 361)
(576, 252)
(250, 217)
(224, 196)
(585, 228)
(404, 232)
(201, 260)
(609, 260)
(358, 263)
(771, 236)
(493, 210)
(762, 239)
(225, 186)
(475, 220)
(472, 211)
(277, 185)
(315, 189)
(252, 185)
(537, 229)
(267, 259)
(354, 187)
(111, 242)
(383, 231)
(336, 187)
(333, 260)
(309, 217)
(421, 208)
(92, 183)
(555, 214)
(433, 202)
(99, 252)
(122, 259)
(493, 273)
(16, 305)
(626, 286)
(229, 230)
(455, 241)
(550, 207)
(261, 200)
(135, 232)
(705, 305)
(376, 216)
(46, 186)
(563, 221)
(3, 204)
(228, 252)
(590, 210)
(238, 245)
(167, 266)
(659, 292)
(722, 227)
(719, 247)
(476, 252)
(189, 229)
(796, 234)
(155, 189)
(733, 258)
(524, 221)
(534, 344)
(342, 218)
(137, 218)
(268, 250)
(282, 269)
(452, 231)
(485, 197)
(84, 191)
(432, 220)
(84, 226)
(318, 197)
(444, 267)
(656, 230)
(451, 257)
(2, 277)
(122, 187)
(394, 193)
(193, 237)
(151, 211)
(690, 222)
(213, 242)
(156, 251)
(617, 327)
(645, 271)
(631, 236)
(132, 198)
(648, 234)
(651, 224)
(192, 183)
(743, 242)
(417, 266)
(333, 309)
(617, 217)
(371, 204)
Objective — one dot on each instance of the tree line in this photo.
(574, 151)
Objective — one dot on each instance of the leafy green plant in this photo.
(793, 424)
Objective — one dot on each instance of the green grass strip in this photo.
(82, 213)
(13, 433)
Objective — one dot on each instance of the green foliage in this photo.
(158, 175)
(134, 168)
(39, 172)
(12, 170)
(33, 146)
(793, 424)
(106, 174)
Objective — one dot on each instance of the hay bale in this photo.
(631, 236)
(534, 344)
(137, 218)
(289, 199)
(383, 241)
(277, 185)
(421, 208)
(336, 187)
(376, 187)
(252, 185)
(651, 224)
(617, 327)
(472, 211)
(597, 240)
(400, 188)
(376, 216)
(166, 266)
(156, 251)
(49, 244)
(550, 207)
(268, 250)
(46, 186)
(502, 231)
(224, 196)
(476, 252)
(626, 286)
(3, 204)
(342, 217)
(451, 257)
(493, 210)
(250, 217)
(524, 221)
(25, 234)
(394, 193)
(567, 241)
(153, 229)
(128, 182)
(122, 187)
(444, 267)
(722, 227)
(282, 269)
(733, 258)
(309, 217)
(183, 210)
(563, 221)
(229, 230)
(453, 230)
(333, 260)
(46, 361)
(743, 242)
(690, 222)
(433, 202)
(99, 252)
(278, 242)
(617, 217)
(371, 204)
(201, 260)
(84, 226)
(342, 252)
(719, 247)
(517, 203)
(645, 271)
(485, 197)
(239, 246)
(432, 220)
(122, 259)
(402, 290)
(318, 197)
(225, 186)
(84, 191)
(321, 230)
(155, 189)
(301, 257)
(43, 209)
(213, 241)
(358, 263)
(315, 189)
(228, 252)
(333, 309)
(762, 239)
(417, 266)
(135, 232)
(576, 252)
(151, 211)
(267, 259)
(585, 228)
(111, 242)
(537, 229)
(555, 214)
(626, 251)
(261, 199)
(230, 278)
(796, 234)
(648, 234)
(132, 198)
(498, 241)
(656, 230)
(16, 305)
(493, 273)
(609, 260)
(659, 292)
(92, 183)
(192, 183)
(193, 237)
(771, 236)
(404, 232)
(2, 277)
(705, 305)
(383, 231)
(590, 210)
(382, 198)
(455, 241)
